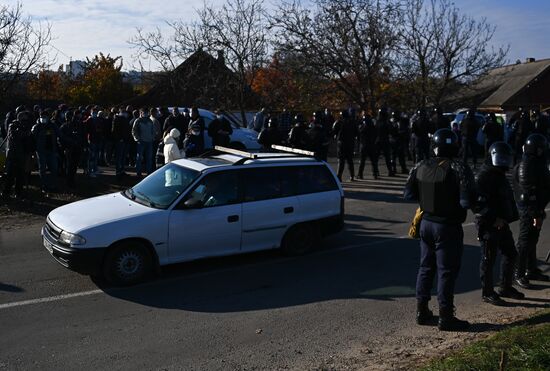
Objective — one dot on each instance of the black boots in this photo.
(510, 292)
(424, 315)
(493, 298)
(448, 321)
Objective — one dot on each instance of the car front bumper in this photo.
(85, 261)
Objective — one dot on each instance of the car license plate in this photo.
(48, 246)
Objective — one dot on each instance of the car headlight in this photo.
(71, 238)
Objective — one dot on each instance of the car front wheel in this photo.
(127, 263)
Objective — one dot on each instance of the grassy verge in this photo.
(525, 346)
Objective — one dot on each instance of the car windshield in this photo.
(163, 187)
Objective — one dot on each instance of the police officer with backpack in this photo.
(445, 189)
(532, 187)
(495, 210)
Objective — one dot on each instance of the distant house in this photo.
(200, 80)
(507, 88)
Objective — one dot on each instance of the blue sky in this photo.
(86, 27)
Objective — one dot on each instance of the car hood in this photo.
(81, 215)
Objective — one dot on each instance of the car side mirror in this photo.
(193, 203)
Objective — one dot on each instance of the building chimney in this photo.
(530, 60)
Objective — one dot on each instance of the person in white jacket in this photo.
(171, 150)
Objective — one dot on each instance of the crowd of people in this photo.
(66, 139)
(393, 136)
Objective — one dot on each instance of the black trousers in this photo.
(492, 241)
(385, 150)
(343, 157)
(72, 157)
(370, 153)
(441, 247)
(527, 245)
(398, 154)
(421, 148)
(15, 174)
(469, 148)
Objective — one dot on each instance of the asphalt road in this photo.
(343, 306)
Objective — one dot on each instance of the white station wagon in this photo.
(229, 202)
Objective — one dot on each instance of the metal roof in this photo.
(501, 84)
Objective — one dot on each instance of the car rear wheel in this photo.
(299, 239)
(127, 263)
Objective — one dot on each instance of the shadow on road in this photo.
(10, 288)
(380, 268)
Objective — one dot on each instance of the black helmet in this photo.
(501, 155)
(421, 112)
(535, 145)
(344, 113)
(445, 143)
(299, 118)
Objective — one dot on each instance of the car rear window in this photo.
(275, 182)
(299, 180)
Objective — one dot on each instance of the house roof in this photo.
(200, 80)
(500, 85)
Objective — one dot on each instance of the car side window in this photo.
(217, 189)
(261, 184)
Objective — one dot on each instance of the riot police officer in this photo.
(399, 140)
(532, 188)
(367, 145)
(445, 189)
(297, 135)
(383, 131)
(316, 138)
(495, 210)
(439, 120)
(540, 123)
(345, 132)
(493, 132)
(523, 127)
(469, 128)
(420, 139)
(270, 135)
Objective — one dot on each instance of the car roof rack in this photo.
(297, 151)
(256, 156)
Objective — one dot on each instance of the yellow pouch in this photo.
(414, 230)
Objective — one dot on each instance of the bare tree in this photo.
(238, 29)
(347, 41)
(23, 46)
(440, 47)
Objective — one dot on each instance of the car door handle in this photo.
(289, 210)
(232, 218)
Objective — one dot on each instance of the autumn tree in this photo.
(101, 82)
(48, 86)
